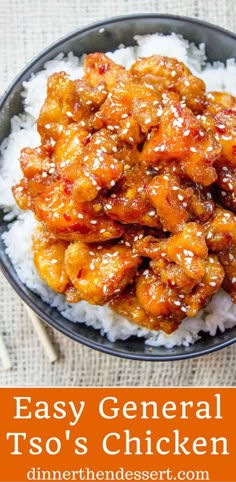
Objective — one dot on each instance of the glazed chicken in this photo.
(134, 189)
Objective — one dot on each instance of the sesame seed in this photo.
(180, 197)
(124, 116)
(186, 133)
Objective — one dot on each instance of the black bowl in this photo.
(220, 45)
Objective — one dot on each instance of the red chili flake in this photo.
(234, 150)
(80, 228)
(102, 69)
(80, 273)
(220, 128)
(67, 217)
(87, 140)
(68, 187)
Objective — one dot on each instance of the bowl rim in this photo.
(14, 280)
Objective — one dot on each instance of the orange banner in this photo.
(117, 434)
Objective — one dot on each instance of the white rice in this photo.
(220, 312)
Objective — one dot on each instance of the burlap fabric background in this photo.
(26, 26)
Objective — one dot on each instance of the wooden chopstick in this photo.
(4, 354)
(43, 336)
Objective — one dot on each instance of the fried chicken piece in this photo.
(68, 101)
(91, 97)
(58, 108)
(69, 150)
(201, 204)
(187, 249)
(127, 305)
(129, 201)
(100, 166)
(223, 126)
(209, 285)
(170, 201)
(39, 173)
(168, 74)
(225, 132)
(226, 184)
(221, 230)
(90, 161)
(49, 259)
(218, 101)
(72, 221)
(228, 260)
(99, 272)
(100, 68)
(130, 109)
(156, 298)
(181, 136)
(173, 275)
